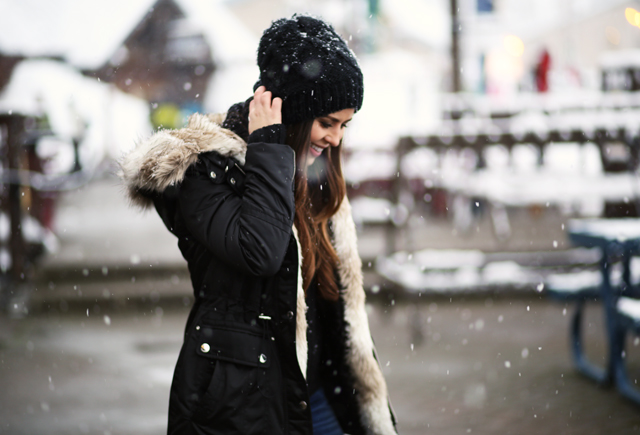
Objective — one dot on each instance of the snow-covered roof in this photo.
(88, 33)
(229, 39)
(85, 33)
(108, 120)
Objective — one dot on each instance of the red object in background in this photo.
(542, 72)
(439, 202)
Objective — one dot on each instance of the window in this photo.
(485, 6)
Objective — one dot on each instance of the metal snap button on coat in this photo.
(263, 358)
(303, 405)
(204, 347)
(232, 181)
(290, 315)
(212, 174)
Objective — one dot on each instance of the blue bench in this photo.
(628, 315)
(579, 287)
(619, 294)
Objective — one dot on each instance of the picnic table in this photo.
(586, 189)
(618, 241)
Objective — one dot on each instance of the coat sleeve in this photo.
(250, 231)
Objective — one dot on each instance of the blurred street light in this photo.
(513, 45)
(633, 17)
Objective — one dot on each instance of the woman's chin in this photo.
(310, 159)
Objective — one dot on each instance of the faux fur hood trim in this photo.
(163, 159)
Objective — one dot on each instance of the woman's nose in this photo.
(334, 138)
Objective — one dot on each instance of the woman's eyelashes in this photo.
(326, 124)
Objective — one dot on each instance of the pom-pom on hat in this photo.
(306, 63)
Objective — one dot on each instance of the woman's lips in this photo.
(315, 150)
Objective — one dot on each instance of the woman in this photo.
(278, 339)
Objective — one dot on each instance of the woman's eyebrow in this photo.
(338, 121)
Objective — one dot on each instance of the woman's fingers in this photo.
(276, 106)
(264, 110)
(265, 98)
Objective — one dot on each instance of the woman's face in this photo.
(327, 131)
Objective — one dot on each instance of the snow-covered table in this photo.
(572, 186)
(511, 188)
(505, 187)
(619, 241)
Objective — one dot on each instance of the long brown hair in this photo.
(319, 191)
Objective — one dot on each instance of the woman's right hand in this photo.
(263, 110)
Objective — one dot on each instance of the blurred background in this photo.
(490, 129)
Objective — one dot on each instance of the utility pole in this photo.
(13, 277)
(455, 47)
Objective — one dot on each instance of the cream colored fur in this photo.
(163, 159)
(302, 347)
(369, 380)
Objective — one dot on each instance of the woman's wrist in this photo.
(274, 133)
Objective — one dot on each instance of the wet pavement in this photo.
(479, 366)
(496, 367)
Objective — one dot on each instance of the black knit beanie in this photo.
(306, 63)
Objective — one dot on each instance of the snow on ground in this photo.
(107, 120)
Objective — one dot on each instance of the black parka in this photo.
(242, 366)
